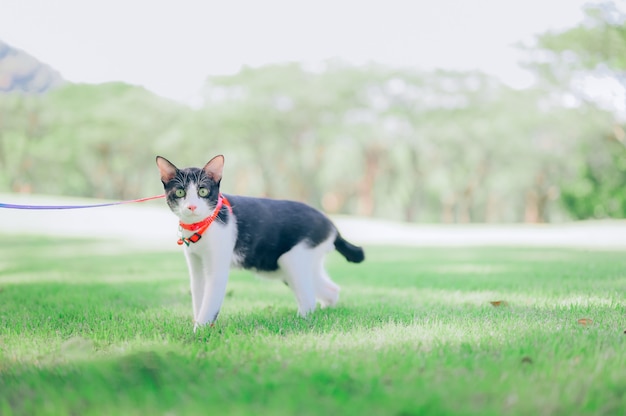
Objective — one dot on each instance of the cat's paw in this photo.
(307, 310)
(197, 325)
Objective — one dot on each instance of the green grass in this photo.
(85, 333)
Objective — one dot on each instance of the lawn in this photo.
(415, 332)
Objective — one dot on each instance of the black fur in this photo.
(186, 176)
(351, 252)
(266, 228)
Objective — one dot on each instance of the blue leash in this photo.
(52, 207)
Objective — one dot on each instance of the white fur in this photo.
(209, 261)
(210, 258)
(303, 270)
(183, 209)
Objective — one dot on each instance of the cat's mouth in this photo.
(193, 217)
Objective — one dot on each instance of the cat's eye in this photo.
(180, 193)
(203, 192)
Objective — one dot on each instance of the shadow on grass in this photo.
(158, 382)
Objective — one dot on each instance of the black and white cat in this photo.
(218, 231)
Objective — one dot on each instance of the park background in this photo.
(538, 136)
(476, 149)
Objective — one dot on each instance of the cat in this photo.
(287, 239)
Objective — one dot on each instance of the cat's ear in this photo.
(214, 168)
(167, 169)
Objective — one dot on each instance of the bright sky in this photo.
(171, 47)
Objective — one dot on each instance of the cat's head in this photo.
(191, 193)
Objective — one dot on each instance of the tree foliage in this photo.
(400, 144)
(591, 52)
(374, 141)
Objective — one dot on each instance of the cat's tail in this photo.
(351, 252)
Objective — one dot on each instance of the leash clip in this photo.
(194, 238)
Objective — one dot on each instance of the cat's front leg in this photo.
(215, 291)
(196, 280)
(213, 296)
(216, 262)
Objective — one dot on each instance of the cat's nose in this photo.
(191, 208)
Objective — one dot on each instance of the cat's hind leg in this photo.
(298, 265)
(326, 291)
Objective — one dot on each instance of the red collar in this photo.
(201, 226)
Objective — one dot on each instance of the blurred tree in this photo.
(284, 121)
(87, 140)
(578, 62)
(20, 132)
(598, 191)
(400, 144)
